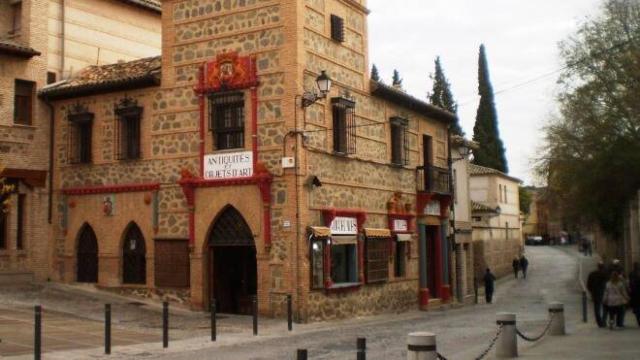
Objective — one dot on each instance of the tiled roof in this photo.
(11, 47)
(478, 207)
(483, 170)
(410, 102)
(154, 5)
(107, 78)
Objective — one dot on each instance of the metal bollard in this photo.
(584, 306)
(301, 354)
(289, 313)
(556, 315)
(507, 345)
(213, 321)
(107, 329)
(362, 349)
(165, 324)
(37, 334)
(255, 315)
(421, 346)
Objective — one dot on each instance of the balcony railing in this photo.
(433, 179)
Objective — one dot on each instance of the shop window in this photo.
(344, 129)
(344, 262)
(171, 263)
(377, 260)
(20, 210)
(399, 141)
(16, 17)
(128, 130)
(226, 120)
(317, 263)
(23, 102)
(79, 137)
(337, 28)
(3, 229)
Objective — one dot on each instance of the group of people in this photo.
(520, 264)
(612, 293)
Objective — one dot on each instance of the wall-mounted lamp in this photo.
(323, 81)
(313, 182)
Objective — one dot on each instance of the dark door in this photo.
(134, 262)
(233, 266)
(432, 232)
(87, 256)
(427, 150)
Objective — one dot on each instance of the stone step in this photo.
(16, 277)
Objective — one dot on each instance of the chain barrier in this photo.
(485, 352)
(536, 338)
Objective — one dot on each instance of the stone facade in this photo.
(291, 43)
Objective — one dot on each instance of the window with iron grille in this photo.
(79, 135)
(399, 141)
(128, 130)
(23, 102)
(20, 209)
(337, 28)
(344, 126)
(226, 120)
(377, 255)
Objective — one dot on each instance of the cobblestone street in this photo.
(463, 333)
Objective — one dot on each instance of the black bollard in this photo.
(165, 324)
(289, 313)
(362, 349)
(584, 306)
(37, 336)
(107, 329)
(255, 315)
(213, 320)
(302, 354)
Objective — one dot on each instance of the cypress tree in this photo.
(442, 97)
(374, 73)
(396, 78)
(485, 131)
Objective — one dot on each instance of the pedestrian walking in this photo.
(489, 285)
(634, 291)
(615, 299)
(516, 266)
(524, 264)
(596, 283)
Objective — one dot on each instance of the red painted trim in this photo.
(423, 198)
(254, 125)
(438, 260)
(107, 189)
(423, 298)
(328, 282)
(201, 101)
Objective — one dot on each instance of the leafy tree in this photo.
(375, 76)
(442, 97)
(524, 195)
(591, 155)
(491, 152)
(397, 81)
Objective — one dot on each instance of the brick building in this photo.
(38, 39)
(220, 171)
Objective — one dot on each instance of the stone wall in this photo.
(492, 248)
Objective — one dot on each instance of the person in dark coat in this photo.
(489, 285)
(524, 264)
(634, 287)
(596, 283)
(516, 266)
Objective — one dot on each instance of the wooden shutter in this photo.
(337, 28)
(377, 259)
(171, 263)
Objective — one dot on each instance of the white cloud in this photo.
(521, 38)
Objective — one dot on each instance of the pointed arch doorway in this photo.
(134, 262)
(87, 255)
(232, 263)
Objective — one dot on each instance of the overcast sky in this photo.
(520, 37)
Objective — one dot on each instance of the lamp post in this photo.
(308, 98)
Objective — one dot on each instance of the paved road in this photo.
(462, 333)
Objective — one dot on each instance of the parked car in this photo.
(534, 240)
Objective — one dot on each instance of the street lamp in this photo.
(323, 81)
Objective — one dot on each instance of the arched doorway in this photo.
(134, 262)
(232, 263)
(87, 256)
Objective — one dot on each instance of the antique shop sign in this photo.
(228, 165)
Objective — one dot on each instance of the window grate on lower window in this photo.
(80, 126)
(127, 130)
(344, 126)
(399, 141)
(226, 120)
